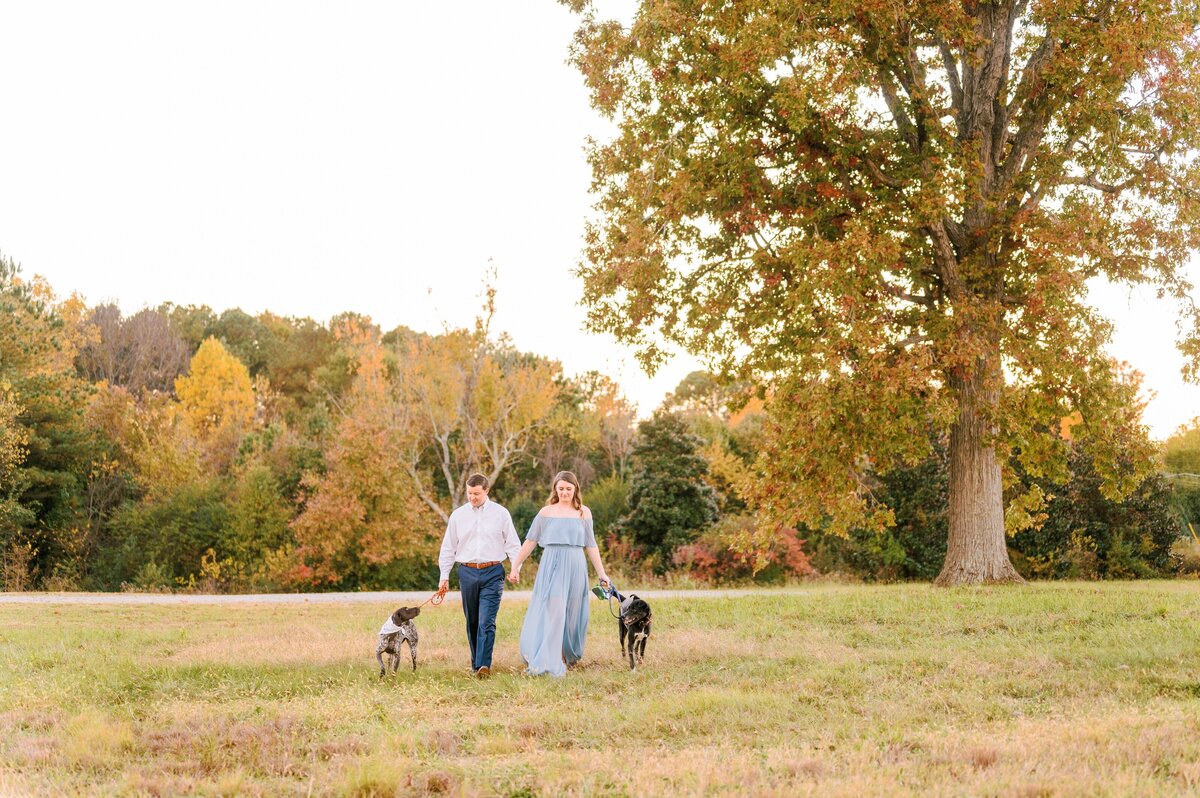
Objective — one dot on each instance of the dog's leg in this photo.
(621, 627)
(412, 650)
(382, 667)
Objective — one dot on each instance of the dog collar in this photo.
(389, 628)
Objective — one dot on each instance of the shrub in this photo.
(715, 558)
(1186, 499)
(16, 567)
(523, 510)
(173, 533)
(915, 547)
(608, 499)
(1186, 553)
(150, 578)
(1087, 535)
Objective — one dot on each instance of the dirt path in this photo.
(386, 597)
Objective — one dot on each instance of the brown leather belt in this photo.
(481, 564)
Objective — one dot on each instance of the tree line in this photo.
(180, 448)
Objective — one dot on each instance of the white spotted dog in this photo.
(398, 628)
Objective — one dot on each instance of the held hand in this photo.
(443, 587)
(604, 580)
(514, 575)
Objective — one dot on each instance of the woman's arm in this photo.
(593, 553)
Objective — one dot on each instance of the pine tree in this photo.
(670, 503)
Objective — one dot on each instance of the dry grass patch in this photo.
(982, 756)
(92, 740)
(206, 747)
(445, 742)
(374, 777)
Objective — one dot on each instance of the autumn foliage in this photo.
(363, 508)
(209, 475)
(883, 217)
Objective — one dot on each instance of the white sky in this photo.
(310, 158)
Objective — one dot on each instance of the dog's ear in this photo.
(408, 613)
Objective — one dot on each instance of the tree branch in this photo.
(423, 494)
(900, 293)
(956, 92)
(1032, 72)
(874, 172)
(1091, 182)
(946, 260)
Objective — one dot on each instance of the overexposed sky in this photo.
(311, 158)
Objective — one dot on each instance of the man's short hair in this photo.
(477, 481)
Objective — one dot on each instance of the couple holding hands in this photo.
(480, 534)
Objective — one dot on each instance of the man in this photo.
(479, 535)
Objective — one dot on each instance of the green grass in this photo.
(1048, 689)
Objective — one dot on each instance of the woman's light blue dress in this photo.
(557, 620)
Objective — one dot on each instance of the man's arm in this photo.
(512, 543)
(446, 555)
(514, 573)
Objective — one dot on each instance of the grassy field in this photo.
(1050, 689)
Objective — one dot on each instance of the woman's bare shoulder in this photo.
(587, 511)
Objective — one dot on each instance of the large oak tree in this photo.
(885, 212)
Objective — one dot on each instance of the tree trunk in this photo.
(977, 551)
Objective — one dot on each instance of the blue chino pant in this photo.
(481, 590)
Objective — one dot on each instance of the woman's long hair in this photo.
(565, 476)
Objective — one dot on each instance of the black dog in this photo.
(634, 623)
(395, 631)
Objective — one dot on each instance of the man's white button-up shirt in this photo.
(478, 534)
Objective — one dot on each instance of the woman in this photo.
(557, 620)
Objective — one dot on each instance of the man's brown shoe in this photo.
(483, 673)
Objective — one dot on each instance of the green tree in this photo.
(296, 350)
(1182, 450)
(192, 323)
(245, 337)
(703, 393)
(170, 534)
(885, 215)
(45, 447)
(608, 499)
(13, 438)
(915, 546)
(1088, 534)
(670, 503)
(259, 517)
